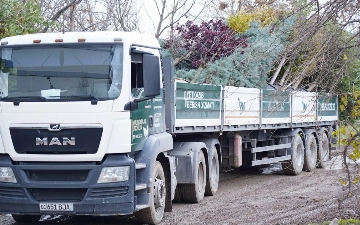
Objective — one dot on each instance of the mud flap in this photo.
(186, 154)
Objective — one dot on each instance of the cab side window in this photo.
(136, 71)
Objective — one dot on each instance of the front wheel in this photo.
(155, 213)
(25, 219)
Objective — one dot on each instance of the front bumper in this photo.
(67, 183)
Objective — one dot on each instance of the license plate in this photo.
(56, 207)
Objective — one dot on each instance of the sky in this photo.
(150, 16)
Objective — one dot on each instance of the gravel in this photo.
(252, 196)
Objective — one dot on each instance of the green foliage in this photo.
(349, 222)
(342, 222)
(349, 138)
(246, 67)
(242, 20)
(349, 110)
(20, 17)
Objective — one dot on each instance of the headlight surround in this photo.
(2, 150)
(114, 174)
(7, 175)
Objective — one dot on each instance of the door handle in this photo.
(151, 121)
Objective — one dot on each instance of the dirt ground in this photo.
(263, 196)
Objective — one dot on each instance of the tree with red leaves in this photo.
(195, 45)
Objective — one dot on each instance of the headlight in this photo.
(114, 174)
(7, 175)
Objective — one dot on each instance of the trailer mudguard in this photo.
(186, 157)
(210, 142)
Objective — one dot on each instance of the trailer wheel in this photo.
(26, 218)
(212, 181)
(324, 150)
(193, 193)
(295, 165)
(155, 213)
(310, 154)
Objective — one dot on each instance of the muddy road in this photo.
(263, 196)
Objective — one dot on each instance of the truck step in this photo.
(140, 166)
(140, 187)
(270, 160)
(140, 207)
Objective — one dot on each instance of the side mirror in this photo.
(151, 75)
(9, 64)
(6, 65)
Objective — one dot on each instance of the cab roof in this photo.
(90, 37)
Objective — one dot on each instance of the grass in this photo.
(341, 222)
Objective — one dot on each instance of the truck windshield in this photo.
(61, 73)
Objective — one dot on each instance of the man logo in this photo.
(54, 127)
(55, 141)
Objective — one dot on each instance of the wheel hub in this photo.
(159, 193)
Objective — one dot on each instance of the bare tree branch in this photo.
(60, 12)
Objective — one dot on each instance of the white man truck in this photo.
(95, 123)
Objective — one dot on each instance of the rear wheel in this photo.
(155, 213)
(295, 165)
(212, 181)
(193, 193)
(324, 150)
(26, 218)
(310, 153)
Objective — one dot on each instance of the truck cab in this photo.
(75, 109)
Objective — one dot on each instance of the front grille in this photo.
(108, 192)
(66, 141)
(57, 194)
(12, 192)
(57, 175)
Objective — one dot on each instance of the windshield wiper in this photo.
(17, 99)
(94, 100)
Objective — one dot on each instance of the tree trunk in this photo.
(197, 74)
(286, 74)
(281, 64)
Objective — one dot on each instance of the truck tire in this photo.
(295, 165)
(155, 213)
(324, 150)
(212, 181)
(26, 218)
(193, 193)
(310, 159)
